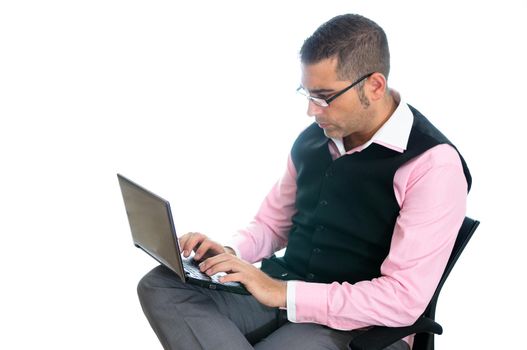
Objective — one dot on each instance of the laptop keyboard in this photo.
(192, 268)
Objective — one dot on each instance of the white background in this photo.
(197, 102)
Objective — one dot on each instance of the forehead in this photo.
(320, 75)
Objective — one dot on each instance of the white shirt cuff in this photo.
(291, 300)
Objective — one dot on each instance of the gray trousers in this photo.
(185, 316)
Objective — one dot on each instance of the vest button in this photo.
(310, 276)
(316, 250)
(323, 203)
(329, 173)
(320, 228)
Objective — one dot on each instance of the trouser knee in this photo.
(142, 288)
(159, 278)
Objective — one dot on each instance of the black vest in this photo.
(346, 208)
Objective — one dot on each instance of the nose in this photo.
(313, 109)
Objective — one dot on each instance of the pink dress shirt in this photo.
(431, 191)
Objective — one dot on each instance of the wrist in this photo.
(282, 303)
(229, 250)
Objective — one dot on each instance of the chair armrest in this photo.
(378, 338)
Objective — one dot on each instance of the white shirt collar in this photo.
(393, 134)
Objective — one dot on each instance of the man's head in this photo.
(359, 45)
(345, 65)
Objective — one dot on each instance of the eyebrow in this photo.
(320, 91)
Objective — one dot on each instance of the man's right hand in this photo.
(202, 245)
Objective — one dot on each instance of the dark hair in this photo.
(359, 44)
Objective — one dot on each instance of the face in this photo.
(345, 116)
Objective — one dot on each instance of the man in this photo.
(368, 209)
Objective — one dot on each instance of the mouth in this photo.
(322, 125)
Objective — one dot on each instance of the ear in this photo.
(376, 86)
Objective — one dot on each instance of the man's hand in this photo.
(266, 290)
(203, 246)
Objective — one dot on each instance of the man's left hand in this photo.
(265, 289)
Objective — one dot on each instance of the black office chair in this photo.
(377, 338)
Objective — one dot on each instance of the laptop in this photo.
(153, 231)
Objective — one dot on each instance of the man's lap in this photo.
(182, 315)
(176, 309)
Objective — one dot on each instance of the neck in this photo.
(381, 114)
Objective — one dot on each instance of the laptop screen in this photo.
(151, 224)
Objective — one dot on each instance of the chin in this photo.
(332, 134)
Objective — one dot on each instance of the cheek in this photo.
(338, 118)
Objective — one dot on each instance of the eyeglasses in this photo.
(322, 102)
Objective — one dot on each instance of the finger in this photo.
(183, 241)
(204, 247)
(232, 277)
(194, 239)
(227, 265)
(214, 260)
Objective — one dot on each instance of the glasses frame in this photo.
(322, 102)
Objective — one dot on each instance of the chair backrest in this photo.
(425, 341)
